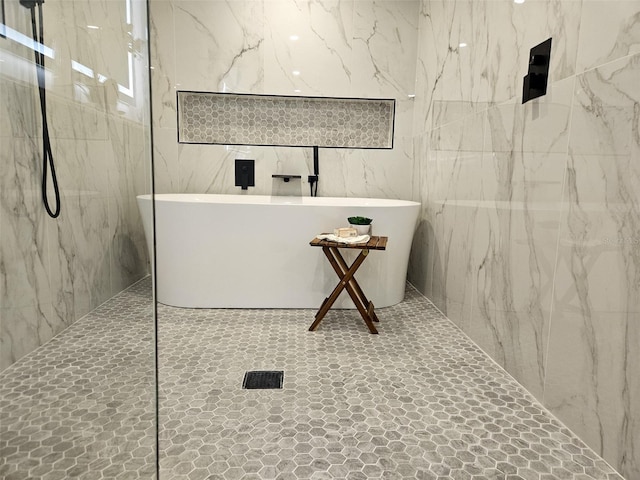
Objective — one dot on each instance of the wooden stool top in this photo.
(374, 243)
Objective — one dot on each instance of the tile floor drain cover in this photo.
(262, 379)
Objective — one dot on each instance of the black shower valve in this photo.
(539, 60)
(535, 82)
(245, 173)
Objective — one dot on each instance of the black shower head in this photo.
(31, 3)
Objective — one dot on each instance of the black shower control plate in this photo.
(535, 82)
(245, 173)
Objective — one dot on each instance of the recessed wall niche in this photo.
(275, 120)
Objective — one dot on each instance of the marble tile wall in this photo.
(339, 48)
(53, 272)
(529, 233)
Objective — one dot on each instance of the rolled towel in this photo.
(348, 240)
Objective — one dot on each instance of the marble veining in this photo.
(228, 33)
(609, 31)
(312, 38)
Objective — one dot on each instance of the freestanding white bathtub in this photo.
(252, 251)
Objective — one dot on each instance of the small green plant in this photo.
(359, 220)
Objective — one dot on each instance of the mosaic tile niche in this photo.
(237, 119)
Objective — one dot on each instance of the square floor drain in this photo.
(262, 379)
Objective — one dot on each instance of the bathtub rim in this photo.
(235, 199)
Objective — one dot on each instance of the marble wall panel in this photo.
(308, 47)
(166, 169)
(25, 293)
(211, 168)
(420, 248)
(519, 27)
(513, 266)
(553, 258)
(130, 177)
(77, 31)
(25, 256)
(218, 45)
(454, 41)
(255, 47)
(518, 189)
(71, 120)
(456, 152)
(592, 382)
(18, 103)
(425, 70)
(74, 159)
(25, 297)
(384, 47)
(354, 173)
(368, 173)
(384, 50)
(23, 329)
(163, 75)
(78, 242)
(438, 166)
(608, 31)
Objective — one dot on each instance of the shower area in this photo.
(515, 352)
(78, 388)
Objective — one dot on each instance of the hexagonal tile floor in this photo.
(82, 405)
(418, 401)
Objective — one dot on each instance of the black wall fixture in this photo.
(535, 83)
(245, 173)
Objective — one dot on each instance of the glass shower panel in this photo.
(77, 358)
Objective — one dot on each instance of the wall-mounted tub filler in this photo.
(312, 179)
(285, 177)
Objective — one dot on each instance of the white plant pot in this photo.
(362, 229)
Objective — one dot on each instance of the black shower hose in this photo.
(47, 155)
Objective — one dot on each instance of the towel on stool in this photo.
(349, 240)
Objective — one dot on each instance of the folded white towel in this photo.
(349, 240)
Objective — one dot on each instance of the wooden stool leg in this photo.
(372, 313)
(367, 305)
(357, 288)
(364, 311)
(348, 281)
(345, 277)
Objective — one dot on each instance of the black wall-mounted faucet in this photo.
(245, 173)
